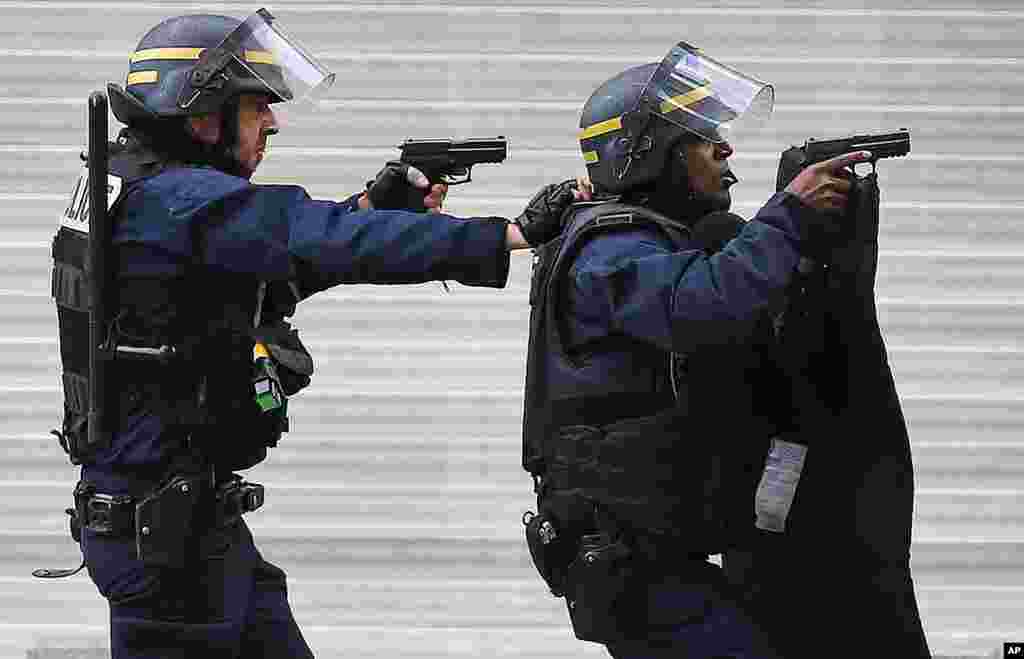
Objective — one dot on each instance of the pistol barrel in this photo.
(468, 151)
(481, 150)
(882, 145)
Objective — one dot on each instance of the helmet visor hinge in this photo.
(208, 74)
(637, 143)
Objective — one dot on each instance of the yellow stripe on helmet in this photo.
(684, 100)
(140, 77)
(259, 57)
(675, 103)
(165, 54)
(252, 56)
(607, 126)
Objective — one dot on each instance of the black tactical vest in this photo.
(679, 461)
(204, 391)
(70, 288)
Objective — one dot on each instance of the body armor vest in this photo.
(183, 345)
(678, 460)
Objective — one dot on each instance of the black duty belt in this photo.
(165, 516)
(114, 515)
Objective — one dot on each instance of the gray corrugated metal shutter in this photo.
(394, 504)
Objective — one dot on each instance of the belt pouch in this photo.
(598, 580)
(163, 522)
(550, 549)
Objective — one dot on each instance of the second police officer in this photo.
(209, 266)
(651, 395)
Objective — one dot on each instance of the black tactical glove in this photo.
(541, 220)
(398, 186)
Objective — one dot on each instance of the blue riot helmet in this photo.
(632, 120)
(195, 64)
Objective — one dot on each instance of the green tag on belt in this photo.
(266, 385)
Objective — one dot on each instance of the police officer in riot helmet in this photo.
(650, 394)
(208, 268)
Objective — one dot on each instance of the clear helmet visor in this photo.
(706, 97)
(279, 62)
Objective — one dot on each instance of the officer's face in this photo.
(708, 167)
(256, 122)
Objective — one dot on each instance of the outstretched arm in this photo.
(684, 300)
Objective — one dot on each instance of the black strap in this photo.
(610, 217)
(57, 573)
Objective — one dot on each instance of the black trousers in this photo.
(228, 602)
(841, 605)
(688, 614)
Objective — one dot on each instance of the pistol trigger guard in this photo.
(873, 162)
(453, 178)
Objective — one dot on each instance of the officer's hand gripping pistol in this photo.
(881, 145)
(442, 161)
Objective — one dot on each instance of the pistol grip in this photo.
(398, 196)
(414, 196)
(792, 161)
(414, 199)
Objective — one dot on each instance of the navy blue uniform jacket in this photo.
(276, 233)
(636, 284)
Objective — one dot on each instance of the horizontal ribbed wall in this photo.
(394, 504)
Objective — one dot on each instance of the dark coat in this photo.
(198, 229)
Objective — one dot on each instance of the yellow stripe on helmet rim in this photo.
(165, 54)
(252, 56)
(259, 57)
(600, 128)
(140, 77)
